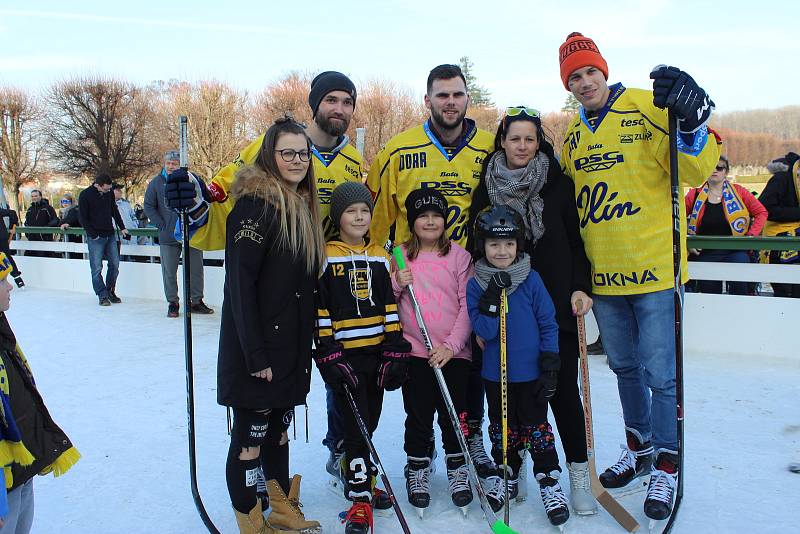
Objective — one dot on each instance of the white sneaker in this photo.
(580, 489)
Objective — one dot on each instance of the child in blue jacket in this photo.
(532, 356)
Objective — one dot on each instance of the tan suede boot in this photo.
(254, 523)
(286, 511)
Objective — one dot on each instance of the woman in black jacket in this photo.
(523, 173)
(273, 256)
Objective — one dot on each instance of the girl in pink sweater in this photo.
(439, 270)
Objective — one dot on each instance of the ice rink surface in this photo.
(114, 379)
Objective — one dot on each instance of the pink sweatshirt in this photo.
(440, 283)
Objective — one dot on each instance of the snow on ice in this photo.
(114, 379)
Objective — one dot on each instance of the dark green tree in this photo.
(571, 104)
(480, 95)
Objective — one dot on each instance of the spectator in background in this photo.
(30, 441)
(40, 213)
(125, 212)
(165, 219)
(97, 210)
(70, 219)
(6, 234)
(781, 197)
(721, 208)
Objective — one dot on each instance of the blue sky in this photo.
(745, 56)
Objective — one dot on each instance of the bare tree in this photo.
(287, 94)
(385, 110)
(97, 125)
(555, 127)
(19, 151)
(217, 116)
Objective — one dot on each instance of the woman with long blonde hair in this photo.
(274, 252)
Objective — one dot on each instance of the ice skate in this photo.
(580, 489)
(661, 492)
(522, 477)
(418, 484)
(458, 482)
(483, 463)
(553, 498)
(631, 472)
(358, 519)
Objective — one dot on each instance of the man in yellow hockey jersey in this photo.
(444, 153)
(332, 100)
(617, 151)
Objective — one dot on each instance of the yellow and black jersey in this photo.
(619, 161)
(331, 168)
(416, 159)
(355, 302)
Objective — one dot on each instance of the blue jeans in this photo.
(335, 433)
(20, 510)
(721, 256)
(103, 248)
(638, 333)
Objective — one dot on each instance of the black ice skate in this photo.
(495, 492)
(663, 481)
(458, 481)
(553, 498)
(418, 484)
(633, 465)
(358, 519)
(483, 463)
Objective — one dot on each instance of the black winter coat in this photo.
(268, 314)
(780, 197)
(41, 214)
(40, 434)
(559, 256)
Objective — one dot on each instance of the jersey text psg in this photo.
(619, 161)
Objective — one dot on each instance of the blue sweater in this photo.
(531, 329)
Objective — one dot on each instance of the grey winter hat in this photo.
(347, 194)
(172, 155)
(328, 81)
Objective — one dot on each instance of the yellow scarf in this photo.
(735, 211)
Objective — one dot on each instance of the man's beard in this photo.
(438, 119)
(331, 128)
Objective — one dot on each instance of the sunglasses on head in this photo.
(530, 112)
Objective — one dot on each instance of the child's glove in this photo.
(545, 385)
(336, 371)
(489, 304)
(392, 370)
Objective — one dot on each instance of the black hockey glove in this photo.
(676, 90)
(336, 371)
(392, 370)
(545, 385)
(489, 304)
(184, 191)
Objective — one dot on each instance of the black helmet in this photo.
(498, 221)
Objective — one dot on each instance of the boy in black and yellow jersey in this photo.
(359, 341)
(332, 100)
(617, 152)
(445, 153)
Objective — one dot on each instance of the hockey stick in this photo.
(497, 526)
(620, 514)
(187, 337)
(504, 397)
(678, 301)
(384, 477)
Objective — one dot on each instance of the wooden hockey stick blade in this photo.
(616, 510)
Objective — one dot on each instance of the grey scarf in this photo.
(519, 271)
(519, 188)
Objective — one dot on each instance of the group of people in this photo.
(494, 229)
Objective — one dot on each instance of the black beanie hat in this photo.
(324, 83)
(346, 195)
(421, 200)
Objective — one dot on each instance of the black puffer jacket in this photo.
(268, 313)
(780, 195)
(40, 434)
(559, 256)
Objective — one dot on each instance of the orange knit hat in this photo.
(578, 52)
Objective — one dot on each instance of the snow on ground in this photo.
(114, 379)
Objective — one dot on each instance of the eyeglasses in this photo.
(519, 110)
(721, 168)
(288, 154)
